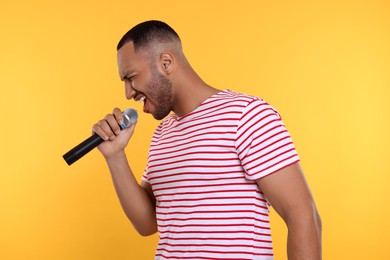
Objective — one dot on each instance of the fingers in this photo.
(119, 117)
(108, 127)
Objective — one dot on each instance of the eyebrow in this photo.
(125, 75)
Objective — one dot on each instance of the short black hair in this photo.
(147, 32)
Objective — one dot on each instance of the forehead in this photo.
(128, 59)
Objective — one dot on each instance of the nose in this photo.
(129, 91)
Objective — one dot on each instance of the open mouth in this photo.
(142, 99)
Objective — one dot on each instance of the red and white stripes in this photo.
(202, 168)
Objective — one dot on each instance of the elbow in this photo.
(305, 234)
(318, 220)
(306, 216)
(314, 223)
(146, 231)
(313, 216)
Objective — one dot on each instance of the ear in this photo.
(167, 62)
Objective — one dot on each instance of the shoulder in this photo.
(246, 99)
(233, 96)
(251, 105)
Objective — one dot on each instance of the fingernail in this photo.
(123, 126)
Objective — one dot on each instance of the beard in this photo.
(160, 89)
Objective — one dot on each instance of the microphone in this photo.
(130, 117)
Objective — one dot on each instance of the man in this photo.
(214, 165)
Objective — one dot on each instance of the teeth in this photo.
(141, 99)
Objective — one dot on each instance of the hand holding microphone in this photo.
(107, 129)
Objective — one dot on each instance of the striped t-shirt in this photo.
(202, 168)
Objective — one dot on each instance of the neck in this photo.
(190, 91)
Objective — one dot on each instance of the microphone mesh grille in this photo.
(130, 117)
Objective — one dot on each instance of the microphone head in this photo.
(130, 117)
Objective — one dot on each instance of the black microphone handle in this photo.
(130, 117)
(82, 149)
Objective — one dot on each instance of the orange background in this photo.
(324, 65)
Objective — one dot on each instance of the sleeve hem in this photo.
(260, 175)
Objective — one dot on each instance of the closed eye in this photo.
(131, 79)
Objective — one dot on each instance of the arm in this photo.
(136, 200)
(289, 194)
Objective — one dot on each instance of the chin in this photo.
(160, 116)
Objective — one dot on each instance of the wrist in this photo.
(116, 157)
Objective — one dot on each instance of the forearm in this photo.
(135, 201)
(304, 237)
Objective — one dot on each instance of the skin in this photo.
(162, 74)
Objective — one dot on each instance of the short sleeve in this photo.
(263, 143)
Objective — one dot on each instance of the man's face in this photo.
(144, 82)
